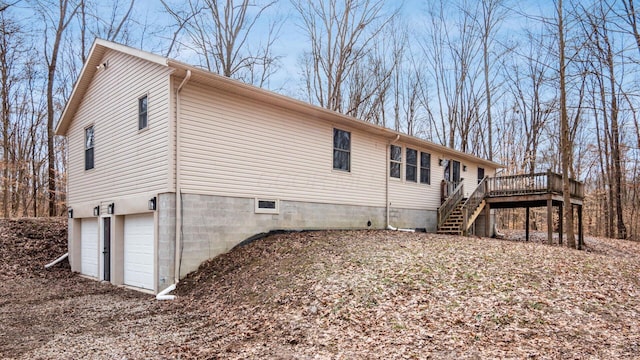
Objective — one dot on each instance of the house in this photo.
(170, 165)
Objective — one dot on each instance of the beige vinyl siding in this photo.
(232, 146)
(414, 195)
(127, 160)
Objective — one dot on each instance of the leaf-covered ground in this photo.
(347, 294)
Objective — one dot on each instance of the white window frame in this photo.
(146, 113)
(415, 165)
(93, 147)
(392, 161)
(344, 151)
(420, 168)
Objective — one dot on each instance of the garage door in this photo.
(89, 247)
(138, 250)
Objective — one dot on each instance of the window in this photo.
(395, 161)
(341, 150)
(455, 171)
(88, 148)
(480, 174)
(267, 206)
(411, 171)
(142, 113)
(425, 168)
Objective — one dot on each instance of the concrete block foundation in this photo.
(212, 225)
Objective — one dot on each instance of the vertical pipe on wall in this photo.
(386, 165)
(178, 209)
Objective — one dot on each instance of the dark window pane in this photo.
(142, 103)
(88, 148)
(394, 171)
(341, 150)
(341, 139)
(142, 121)
(425, 176)
(88, 159)
(480, 174)
(425, 160)
(142, 113)
(341, 160)
(411, 168)
(88, 137)
(266, 204)
(411, 173)
(396, 153)
(412, 157)
(455, 172)
(425, 168)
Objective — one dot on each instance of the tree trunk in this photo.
(5, 123)
(565, 144)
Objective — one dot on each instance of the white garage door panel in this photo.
(89, 247)
(138, 250)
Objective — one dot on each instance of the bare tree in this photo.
(566, 146)
(342, 37)
(631, 17)
(597, 23)
(224, 32)
(109, 22)
(10, 51)
(534, 96)
(5, 5)
(453, 48)
(493, 13)
(56, 18)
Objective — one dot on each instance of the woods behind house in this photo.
(531, 86)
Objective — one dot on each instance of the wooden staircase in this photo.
(457, 214)
(454, 222)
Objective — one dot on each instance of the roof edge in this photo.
(302, 106)
(98, 48)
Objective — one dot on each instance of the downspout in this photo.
(387, 166)
(56, 261)
(178, 253)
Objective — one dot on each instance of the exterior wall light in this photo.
(96, 211)
(152, 203)
(70, 213)
(110, 208)
(464, 167)
(440, 162)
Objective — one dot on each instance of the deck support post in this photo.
(487, 220)
(527, 224)
(580, 233)
(549, 221)
(560, 218)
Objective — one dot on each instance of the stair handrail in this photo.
(473, 201)
(450, 204)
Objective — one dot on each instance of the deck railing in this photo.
(450, 204)
(537, 183)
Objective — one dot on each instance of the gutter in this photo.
(178, 250)
(386, 166)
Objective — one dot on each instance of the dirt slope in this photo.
(340, 295)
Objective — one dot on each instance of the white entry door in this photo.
(89, 247)
(139, 250)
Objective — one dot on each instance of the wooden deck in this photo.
(530, 190)
(535, 190)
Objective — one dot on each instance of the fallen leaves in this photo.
(353, 294)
